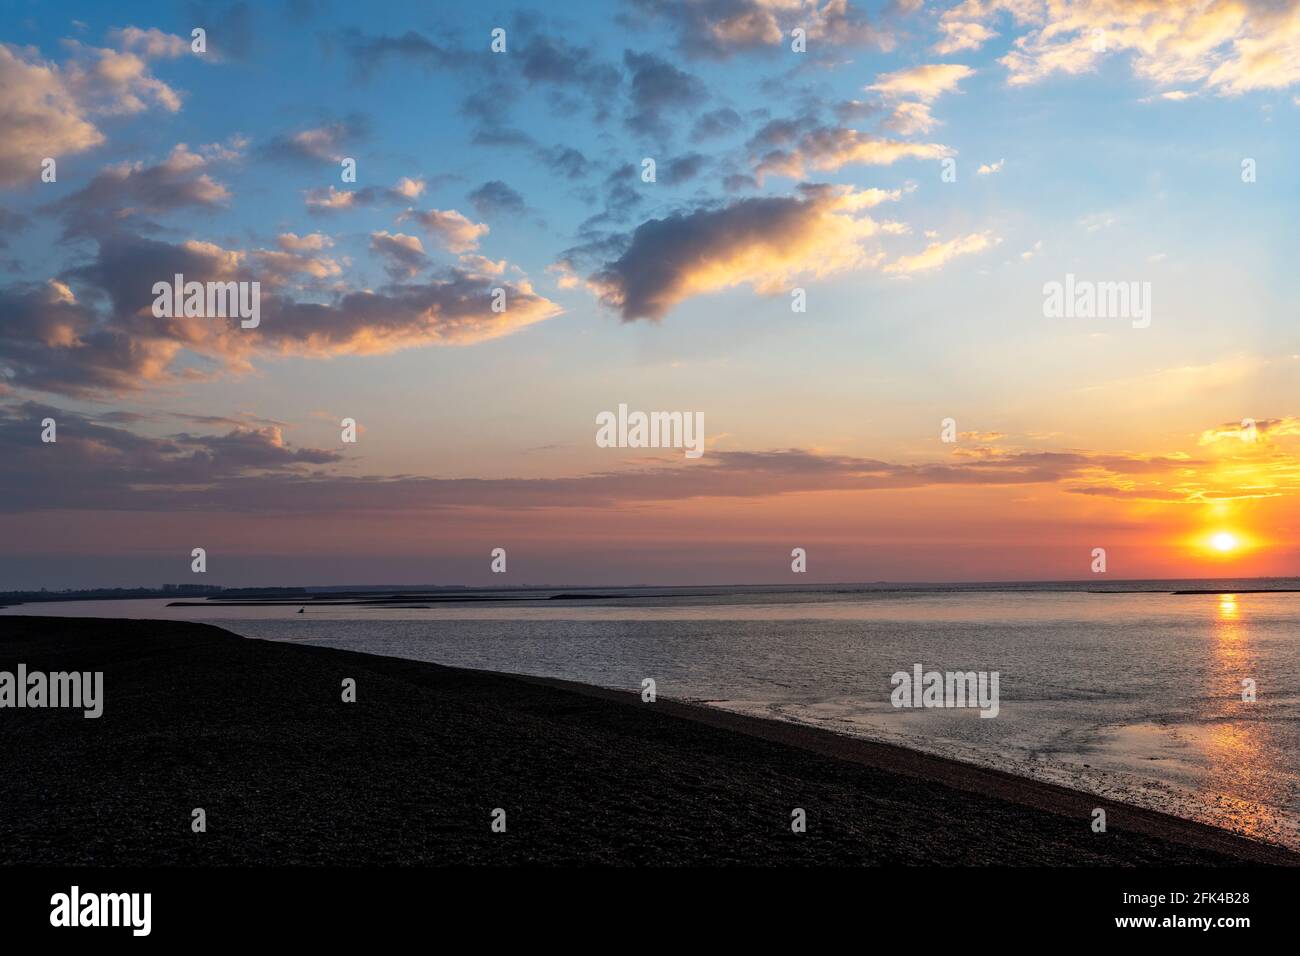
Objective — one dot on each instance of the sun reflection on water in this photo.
(1232, 748)
(1227, 606)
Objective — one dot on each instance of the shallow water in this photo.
(1137, 696)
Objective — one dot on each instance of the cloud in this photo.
(230, 30)
(851, 111)
(116, 83)
(100, 464)
(988, 169)
(495, 198)
(720, 122)
(658, 87)
(369, 53)
(131, 189)
(331, 199)
(295, 256)
(152, 43)
(565, 161)
(552, 62)
(765, 243)
(1267, 428)
(11, 223)
(1229, 46)
(327, 143)
(405, 256)
(48, 110)
(621, 198)
(718, 29)
(910, 118)
(959, 36)
(312, 242)
(682, 169)
(923, 82)
(937, 253)
(253, 469)
(449, 227)
(828, 148)
(104, 338)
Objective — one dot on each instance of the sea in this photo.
(1179, 696)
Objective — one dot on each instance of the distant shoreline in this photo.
(256, 734)
(428, 595)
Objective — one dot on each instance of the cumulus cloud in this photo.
(1229, 46)
(114, 82)
(48, 109)
(765, 243)
(326, 143)
(103, 337)
(131, 189)
(562, 67)
(495, 198)
(449, 227)
(404, 255)
(331, 199)
(151, 43)
(312, 242)
(910, 118)
(295, 256)
(961, 35)
(409, 188)
(657, 88)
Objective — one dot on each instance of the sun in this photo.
(1224, 542)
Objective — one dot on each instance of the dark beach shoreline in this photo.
(256, 734)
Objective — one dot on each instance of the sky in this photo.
(828, 228)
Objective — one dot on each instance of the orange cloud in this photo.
(828, 148)
(452, 229)
(1229, 46)
(937, 253)
(923, 82)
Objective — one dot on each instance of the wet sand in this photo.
(256, 733)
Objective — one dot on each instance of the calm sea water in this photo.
(1136, 696)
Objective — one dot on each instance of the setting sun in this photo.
(1223, 541)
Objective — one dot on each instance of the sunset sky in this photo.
(1103, 138)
